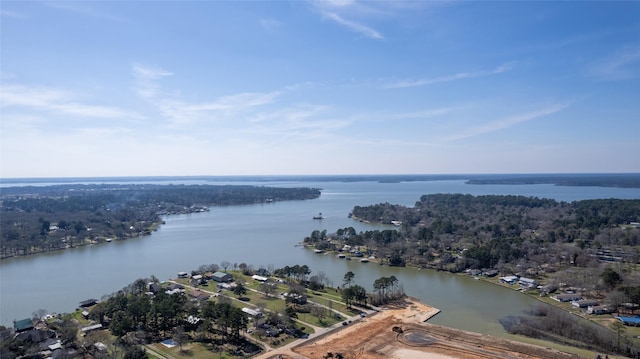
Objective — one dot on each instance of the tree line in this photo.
(39, 219)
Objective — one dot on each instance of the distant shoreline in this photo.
(616, 180)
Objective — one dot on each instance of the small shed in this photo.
(222, 277)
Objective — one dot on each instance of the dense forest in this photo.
(37, 219)
(589, 247)
(456, 232)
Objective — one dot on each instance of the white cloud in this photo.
(13, 14)
(621, 66)
(86, 8)
(504, 123)
(57, 101)
(270, 24)
(344, 13)
(459, 76)
(145, 79)
(354, 26)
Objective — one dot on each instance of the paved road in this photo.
(287, 349)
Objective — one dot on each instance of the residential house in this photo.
(568, 297)
(88, 303)
(222, 277)
(527, 283)
(509, 279)
(23, 325)
(584, 303)
(600, 309)
(197, 279)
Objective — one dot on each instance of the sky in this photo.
(179, 88)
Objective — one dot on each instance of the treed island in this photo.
(581, 257)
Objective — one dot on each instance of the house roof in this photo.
(23, 324)
(88, 302)
(221, 275)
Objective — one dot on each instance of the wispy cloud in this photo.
(504, 123)
(421, 114)
(448, 78)
(57, 101)
(621, 66)
(349, 14)
(270, 24)
(354, 26)
(12, 14)
(145, 79)
(86, 8)
(181, 112)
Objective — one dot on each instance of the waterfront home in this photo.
(584, 303)
(222, 277)
(509, 279)
(568, 297)
(490, 273)
(154, 287)
(90, 328)
(600, 309)
(88, 303)
(259, 278)
(196, 280)
(23, 325)
(527, 283)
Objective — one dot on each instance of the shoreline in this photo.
(401, 330)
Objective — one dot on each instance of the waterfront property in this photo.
(584, 303)
(600, 309)
(631, 321)
(88, 303)
(259, 278)
(509, 279)
(23, 325)
(222, 277)
(567, 297)
(527, 283)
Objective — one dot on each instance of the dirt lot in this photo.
(399, 332)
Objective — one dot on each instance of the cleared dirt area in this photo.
(398, 331)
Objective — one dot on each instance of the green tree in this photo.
(611, 278)
(240, 290)
(348, 278)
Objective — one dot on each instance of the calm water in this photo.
(265, 235)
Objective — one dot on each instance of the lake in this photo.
(266, 235)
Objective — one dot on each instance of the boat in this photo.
(364, 260)
(341, 255)
(319, 216)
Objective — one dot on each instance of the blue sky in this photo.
(119, 88)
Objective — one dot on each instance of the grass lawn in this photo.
(191, 351)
